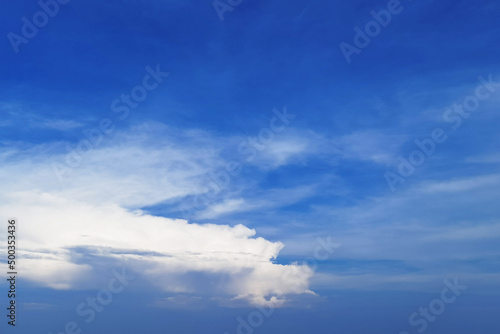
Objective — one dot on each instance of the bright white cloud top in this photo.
(96, 212)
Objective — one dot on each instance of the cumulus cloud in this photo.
(95, 213)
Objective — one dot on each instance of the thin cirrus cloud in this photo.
(270, 198)
(20, 116)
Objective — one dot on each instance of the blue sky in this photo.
(237, 165)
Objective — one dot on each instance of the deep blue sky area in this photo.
(335, 161)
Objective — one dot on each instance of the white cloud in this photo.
(493, 158)
(227, 206)
(461, 185)
(95, 211)
(16, 114)
(373, 146)
(270, 198)
(281, 151)
(58, 124)
(471, 232)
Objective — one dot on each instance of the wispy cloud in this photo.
(460, 185)
(257, 200)
(18, 115)
(371, 146)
